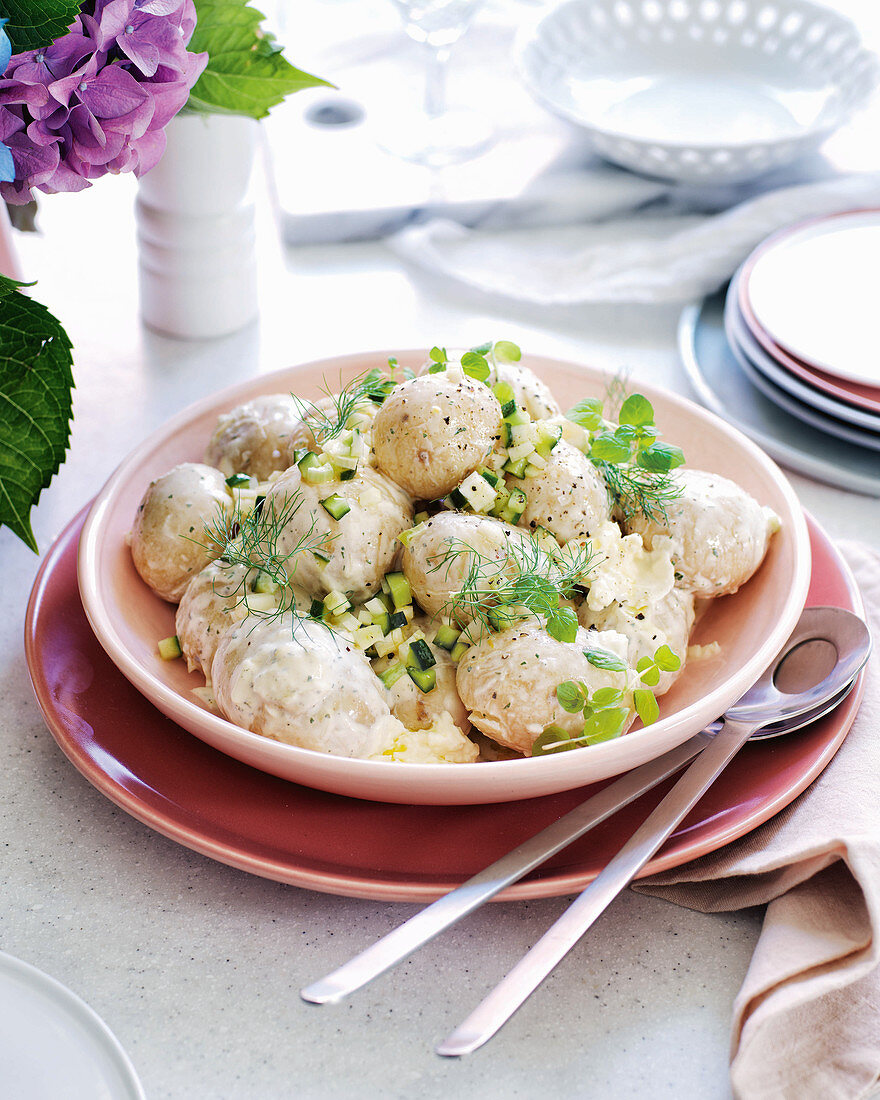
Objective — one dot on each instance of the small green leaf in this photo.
(586, 413)
(553, 739)
(482, 349)
(507, 351)
(636, 410)
(651, 676)
(562, 625)
(475, 366)
(608, 448)
(666, 660)
(605, 725)
(570, 697)
(438, 355)
(660, 458)
(603, 658)
(626, 434)
(606, 697)
(646, 706)
(35, 23)
(35, 405)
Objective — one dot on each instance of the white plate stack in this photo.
(801, 318)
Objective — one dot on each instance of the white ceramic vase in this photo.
(196, 229)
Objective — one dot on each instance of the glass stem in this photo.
(435, 85)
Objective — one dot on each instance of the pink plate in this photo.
(750, 626)
(248, 819)
(853, 392)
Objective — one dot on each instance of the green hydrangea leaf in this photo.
(35, 404)
(246, 74)
(35, 23)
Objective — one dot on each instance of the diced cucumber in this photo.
(457, 499)
(399, 589)
(425, 679)
(321, 557)
(238, 481)
(548, 436)
(392, 674)
(503, 617)
(519, 416)
(446, 637)
(317, 609)
(478, 493)
(406, 537)
(265, 583)
(459, 650)
(366, 636)
(308, 462)
(397, 619)
(506, 397)
(421, 651)
(520, 450)
(501, 498)
(346, 475)
(169, 648)
(516, 505)
(336, 603)
(420, 517)
(375, 606)
(383, 621)
(319, 475)
(506, 434)
(491, 477)
(335, 506)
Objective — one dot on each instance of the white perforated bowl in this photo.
(698, 90)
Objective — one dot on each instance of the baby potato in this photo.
(168, 541)
(432, 431)
(667, 621)
(361, 544)
(530, 392)
(444, 550)
(221, 596)
(508, 682)
(568, 497)
(258, 437)
(715, 533)
(295, 681)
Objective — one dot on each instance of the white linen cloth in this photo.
(643, 258)
(806, 1023)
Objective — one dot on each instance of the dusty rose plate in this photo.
(750, 626)
(209, 802)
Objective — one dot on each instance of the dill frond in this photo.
(373, 385)
(637, 491)
(251, 539)
(529, 578)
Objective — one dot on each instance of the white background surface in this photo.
(195, 966)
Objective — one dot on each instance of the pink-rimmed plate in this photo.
(211, 803)
(750, 626)
(808, 295)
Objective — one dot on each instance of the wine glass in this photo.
(438, 136)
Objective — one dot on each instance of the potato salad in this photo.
(441, 566)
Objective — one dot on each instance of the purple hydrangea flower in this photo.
(98, 98)
(7, 164)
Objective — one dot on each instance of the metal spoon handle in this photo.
(497, 1008)
(452, 907)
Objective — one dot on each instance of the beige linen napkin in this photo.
(806, 1023)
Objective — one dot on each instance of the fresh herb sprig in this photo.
(604, 718)
(251, 539)
(478, 362)
(528, 581)
(369, 386)
(636, 466)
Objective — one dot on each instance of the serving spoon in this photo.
(828, 648)
(452, 907)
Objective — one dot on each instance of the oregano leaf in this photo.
(586, 413)
(603, 658)
(637, 411)
(569, 696)
(504, 349)
(646, 706)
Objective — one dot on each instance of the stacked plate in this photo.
(801, 318)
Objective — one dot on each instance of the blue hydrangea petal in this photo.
(7, 167)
